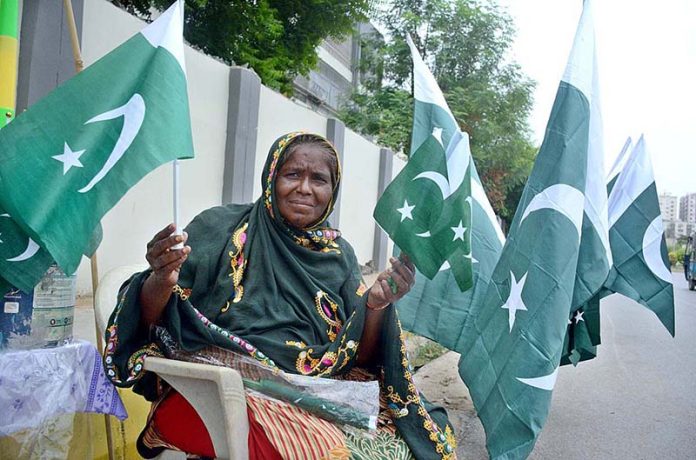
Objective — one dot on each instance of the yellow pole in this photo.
(9, 18)
(79, 65)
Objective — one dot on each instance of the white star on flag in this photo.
(1, 241)
(406, 211)
(458, 231)
(578, 316)
(514, 301)
(69, 158)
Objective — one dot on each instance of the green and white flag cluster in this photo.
(427, 208)
(641, 266)
(68, 159)
(437, 308)
(555, 259)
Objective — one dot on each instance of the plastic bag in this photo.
(344, 402)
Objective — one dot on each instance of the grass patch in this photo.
(421, 350)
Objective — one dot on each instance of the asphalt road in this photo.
(637, 399)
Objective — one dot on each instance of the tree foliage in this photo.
(276, 38)
(465, 43)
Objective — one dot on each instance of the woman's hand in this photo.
(392, 284)
(164, 260)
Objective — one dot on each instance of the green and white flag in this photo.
(583, 333)
(427, 208)
(641, 267)
(512, 364)
(22, 261)
(68, 159)
(437, 308)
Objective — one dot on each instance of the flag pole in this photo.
(178, 231)
(79, 66)
(175, 170)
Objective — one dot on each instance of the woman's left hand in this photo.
(393, 283)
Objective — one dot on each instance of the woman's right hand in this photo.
(164, 260)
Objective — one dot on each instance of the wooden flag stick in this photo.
(177, 215)
(79, 65)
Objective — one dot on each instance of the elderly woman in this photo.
(273, 281)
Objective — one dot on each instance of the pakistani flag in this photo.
(427, 208)
(583, 334)
(22, 261)
(436, 308)
(641, 267)
(512, 363)
(69, 159)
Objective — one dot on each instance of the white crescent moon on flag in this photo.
(439, 180)
(652, 250)
(133, 113)
(545, 382)
(32, 248)
(562, 198)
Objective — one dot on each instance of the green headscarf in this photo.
(290, 298)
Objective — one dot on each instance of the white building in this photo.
(668, 206)
(330, 84)
(676, 229)
(687, 208)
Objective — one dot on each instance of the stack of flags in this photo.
(535, 296)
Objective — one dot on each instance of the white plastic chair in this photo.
(217, 393)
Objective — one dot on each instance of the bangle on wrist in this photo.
(370, 307)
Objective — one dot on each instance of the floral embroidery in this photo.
(238, 263)
(306, 364)
(135, 361)
(323, 239)
(445, 443)
(240, 342)
(328, 310)
(183, 293)
(396, 400)
(291, 343)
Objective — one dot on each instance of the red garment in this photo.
(175, 423)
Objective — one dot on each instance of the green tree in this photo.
(464, 43)
(276, 38)
(676, 254)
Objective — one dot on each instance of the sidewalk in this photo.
(439, 381)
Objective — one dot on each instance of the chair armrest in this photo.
(217, 394)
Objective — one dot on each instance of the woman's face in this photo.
(303, 186)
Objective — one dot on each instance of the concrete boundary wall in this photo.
(235, 120)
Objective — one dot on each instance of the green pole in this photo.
(9, 15)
